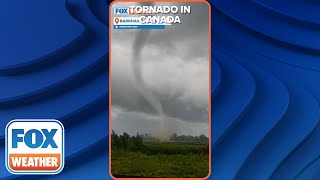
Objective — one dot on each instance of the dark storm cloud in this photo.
(188, 39)
(177, 101)
(194, 26)
(174, 66)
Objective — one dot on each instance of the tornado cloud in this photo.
(138, 45)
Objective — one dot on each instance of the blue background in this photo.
(266, 92)
(265, 84)
(54, 65)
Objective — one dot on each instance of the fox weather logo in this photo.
(121, 10)
(34, 146)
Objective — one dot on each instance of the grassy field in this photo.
(161, 160)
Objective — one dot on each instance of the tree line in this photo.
(135, 143)
(126, 142)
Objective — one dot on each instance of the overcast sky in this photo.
(174, 67)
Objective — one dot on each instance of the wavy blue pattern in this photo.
(229, 104)
(265, 92)
(21, 51)
(301, 12)
(242, 138)
(55, 65)
(216, 77)
(277, 137)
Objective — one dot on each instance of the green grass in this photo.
(162, 160)
(171, 148)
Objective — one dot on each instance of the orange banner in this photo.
(34, 162)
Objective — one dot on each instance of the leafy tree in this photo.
(124, 140)
(203, 138)
(115, 141)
